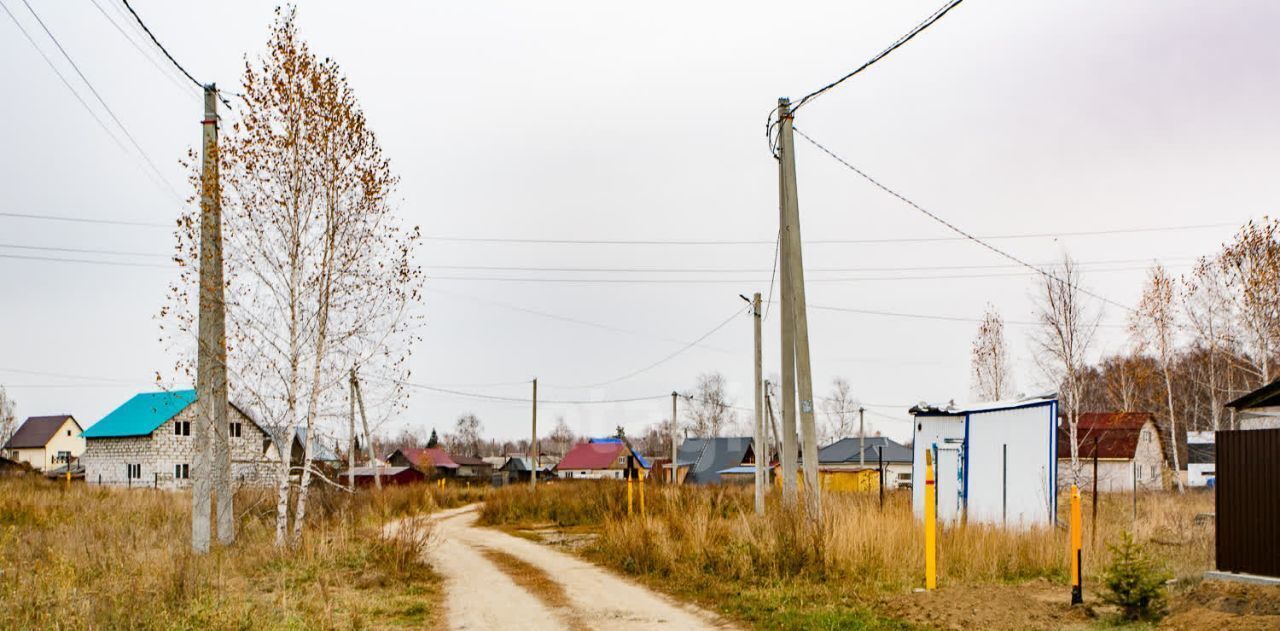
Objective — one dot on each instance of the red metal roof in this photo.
(1114, 434)
(429, 457)
(592, 455)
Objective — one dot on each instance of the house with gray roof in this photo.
(148, 442)
(45, 442)
(858, 453)
(705, 459)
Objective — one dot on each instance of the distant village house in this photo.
(46, 442)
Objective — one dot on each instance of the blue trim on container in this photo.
(964, 464)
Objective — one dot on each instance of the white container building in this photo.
(994, 463)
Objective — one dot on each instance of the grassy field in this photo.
(857, 570)
(82, 557)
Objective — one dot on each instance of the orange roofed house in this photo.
(1129, 445)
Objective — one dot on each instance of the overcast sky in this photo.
(594, 121)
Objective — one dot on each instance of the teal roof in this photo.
(142, 414)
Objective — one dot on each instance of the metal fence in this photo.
(1248, 501)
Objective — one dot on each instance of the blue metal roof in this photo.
(142, 414)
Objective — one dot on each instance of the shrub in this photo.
(1133, 581)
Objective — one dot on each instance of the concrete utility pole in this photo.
(368, 438)
(771, 432)
(795, 312)
(351, 428)
(533, 444)
(675, 438)
(862, 438)
(211, 466)
(761, 448)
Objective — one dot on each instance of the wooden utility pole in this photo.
(211, 464)
(862, 438)
(761, 447)
(533, 443)
(794, 312)
(351, 428)
(675, 439)
(368, 438)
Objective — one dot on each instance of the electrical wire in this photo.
(102, 101)
(54, 259)
(667, 358)
(166, 51)
(112, 222)
(494, 397)
(155, 64)
(50, 248)
(937, 15)
(956, 229)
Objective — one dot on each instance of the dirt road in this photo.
(496, 581)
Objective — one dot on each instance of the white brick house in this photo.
(148, 442)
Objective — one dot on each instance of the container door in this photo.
(948, 484)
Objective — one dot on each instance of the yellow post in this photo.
(930, 524)
(1077, 572)
(628, 493)
(641, 475)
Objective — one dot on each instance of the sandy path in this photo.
(480, 595)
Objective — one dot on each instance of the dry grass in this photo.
(91, 557)
(778, 572)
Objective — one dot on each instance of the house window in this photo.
(1153, 472)
(182, 428)
(181, 471)
(234, 430)
(68, 432)
(63, 456)
(133, 471)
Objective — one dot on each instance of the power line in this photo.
(753, 270)
(937, 15)
(932, 316)
(667, 358)
(894, 240)
(955, 228)
(50, 248)
(494, 397)
(167, 74)
(704, 242)
(98, 96)
(161, 46)
(112, 222)
(54, 259)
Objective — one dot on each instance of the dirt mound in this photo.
(1035, 605)
(1224, 605)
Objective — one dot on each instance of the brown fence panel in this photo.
(1247, 471)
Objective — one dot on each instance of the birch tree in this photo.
(8, 419)
(1062, 343)
(709, 410)
(1251, 266)
(990, 359)
(1210, 316)
(319, 271)
(1154, 322)
(841, 410)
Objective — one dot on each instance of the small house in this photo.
(1259, 409)
(436, 462)
(1128, 446)
(148, 441)
(853, 454)
(993, 462)
(1200, 459)
(601, 459)
(390, 476)
(46, 442)
(705, 459)
(517, 469)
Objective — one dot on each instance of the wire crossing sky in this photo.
(593, 198)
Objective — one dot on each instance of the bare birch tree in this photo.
(1208, 307)
(1155, 323)
(1067, 328)
(8, 419)
(319, 272)
(990, 359)
(709, 410)
(841, 409)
